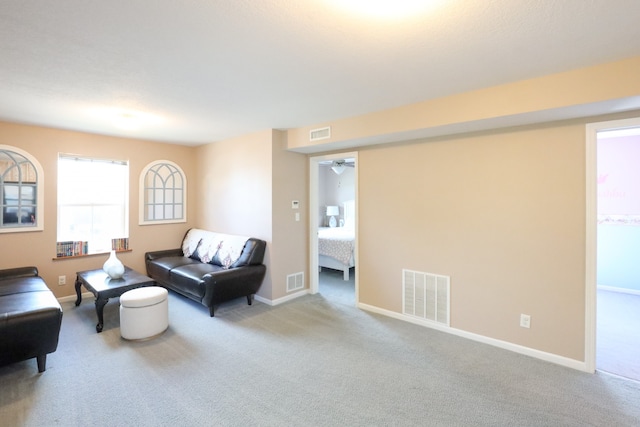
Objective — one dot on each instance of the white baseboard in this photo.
(283, 299)
(620, 290)
(85, 295)
(548, 357)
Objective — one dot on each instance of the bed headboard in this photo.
(350, 214)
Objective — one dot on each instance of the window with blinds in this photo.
(93, 201)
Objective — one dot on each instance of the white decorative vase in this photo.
(113, 267)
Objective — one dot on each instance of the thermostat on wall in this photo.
(295, 204)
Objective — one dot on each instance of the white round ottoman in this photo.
(144, 313)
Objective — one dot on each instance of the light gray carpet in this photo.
(618, 337)
(310, 362)
(333, 287)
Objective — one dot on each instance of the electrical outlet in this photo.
(525, 321)
(62, 280)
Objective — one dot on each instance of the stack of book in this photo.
(121, 244)
(71, 248)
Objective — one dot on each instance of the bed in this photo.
(336, 245)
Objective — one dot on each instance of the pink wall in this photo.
(619, 212)
(619, 175)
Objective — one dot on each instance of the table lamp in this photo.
(332, 211)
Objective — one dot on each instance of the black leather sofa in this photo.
(210, 267)
(30, 317)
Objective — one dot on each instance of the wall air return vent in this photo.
(426, 296)
(295, 281)
(318, 134)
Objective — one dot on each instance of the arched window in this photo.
(163, 197)
(20, 191)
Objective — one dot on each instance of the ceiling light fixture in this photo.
(386, 9)
(123, 119)
(337, 167)
(126, 121)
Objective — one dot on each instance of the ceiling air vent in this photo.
(318, 134)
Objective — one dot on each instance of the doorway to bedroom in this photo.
(614, 239)
(333, 227)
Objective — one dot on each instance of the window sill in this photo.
(88, 255)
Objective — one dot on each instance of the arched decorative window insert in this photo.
(164, 193)
(21, 183)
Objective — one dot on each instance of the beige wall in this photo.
(501, 213)
(502, 210)
(247, 185)
(39, 248)
(588, 91)
(240, 186)
(235, 190)
(290, 241)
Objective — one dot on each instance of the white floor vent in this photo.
(318, 134)
(426, 296)
(295, 281)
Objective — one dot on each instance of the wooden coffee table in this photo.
(103, 287)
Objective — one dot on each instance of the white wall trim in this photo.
(314, 171)
(282, 300)
(590, 253)
(537, 354)
(68, 298)
(87, 295)
(548, 357)
(591, 222)
(619, 290)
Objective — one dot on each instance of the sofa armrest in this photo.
(233, 283)
(13, 273)
(149, 256)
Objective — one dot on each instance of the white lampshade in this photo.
(337, 167)
(333, 210)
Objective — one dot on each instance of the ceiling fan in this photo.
(338, 166)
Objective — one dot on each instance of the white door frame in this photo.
(314, 219)
(591, 232)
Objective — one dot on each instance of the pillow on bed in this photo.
(349, 215)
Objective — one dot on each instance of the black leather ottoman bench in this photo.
(30, 317)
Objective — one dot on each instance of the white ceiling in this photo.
(199, 71)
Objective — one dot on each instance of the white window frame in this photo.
(106, 244)
(170, 185)
(39, 188)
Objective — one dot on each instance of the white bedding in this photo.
(337, 243)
